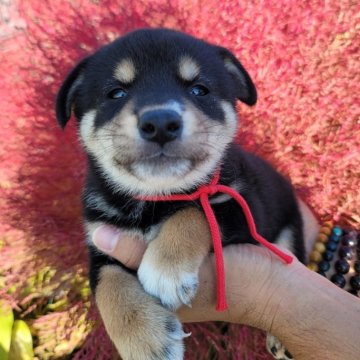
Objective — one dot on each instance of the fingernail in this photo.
(106, 237)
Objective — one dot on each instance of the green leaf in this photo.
(6, 324)
(21, 342)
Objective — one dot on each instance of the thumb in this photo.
(128, 249)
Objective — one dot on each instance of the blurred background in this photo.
(304, 59)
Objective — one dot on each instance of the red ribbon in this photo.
(203, 193)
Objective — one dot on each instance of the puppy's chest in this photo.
(127, 213)
(147, 217)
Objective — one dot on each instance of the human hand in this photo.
(252, 284)
(291, 302)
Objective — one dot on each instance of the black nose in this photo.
(160, 126)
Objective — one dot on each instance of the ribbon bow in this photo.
(203, 193)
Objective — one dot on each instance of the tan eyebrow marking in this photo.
(188, 68)
(125, 71)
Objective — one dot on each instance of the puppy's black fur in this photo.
(218, 79)
(269, 196)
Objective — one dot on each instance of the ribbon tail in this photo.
(241, 201)
(219, 260)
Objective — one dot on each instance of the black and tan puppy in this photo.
(156, 115)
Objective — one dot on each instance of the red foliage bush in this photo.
(304, 58)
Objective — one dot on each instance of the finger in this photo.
(127, 249)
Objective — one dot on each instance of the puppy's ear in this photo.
(246, 91)
(68, 92)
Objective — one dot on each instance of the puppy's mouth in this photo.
(161, 165)
(160, 155)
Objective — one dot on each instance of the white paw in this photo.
(173, 346)
(172, 285)
(277, 349)
(160, 339)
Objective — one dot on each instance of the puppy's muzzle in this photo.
(160, 126)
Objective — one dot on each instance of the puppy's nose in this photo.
(160, 126)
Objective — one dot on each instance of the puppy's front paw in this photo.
(173, 284)
(139, 326)
(158, 339)
(277, 349)
(152, 336)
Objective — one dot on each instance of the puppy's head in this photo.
(156, 109)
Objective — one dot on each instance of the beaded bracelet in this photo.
(345, 262)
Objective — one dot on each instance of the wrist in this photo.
(268, 291)
(312, 313)
(253, 277)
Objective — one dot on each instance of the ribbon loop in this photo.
(208, 189)
(203, 194)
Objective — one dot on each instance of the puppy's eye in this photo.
(117, 93)
(199, 90)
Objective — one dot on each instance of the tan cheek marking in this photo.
(183, 239)
(188, 69)
(87, 130)
(134, 321)
(125, 123)
(125, 71)
(197, 122)
(230, 117)
(191, 120)
(105, 141)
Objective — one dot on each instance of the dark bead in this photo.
(357, 266)
(324, 266)
(337, 231)
(328, 255)
(345, 253)
(342, 266)
(348, 241)
(335, 238)
(353, 292)
(338, 280)
(353, 233)
(322, 273)
(331, 246)
(355, 282)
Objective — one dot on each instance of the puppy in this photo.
(156, 115)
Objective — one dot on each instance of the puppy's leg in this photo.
(169, 269)
(139, 326)
(277, 349)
